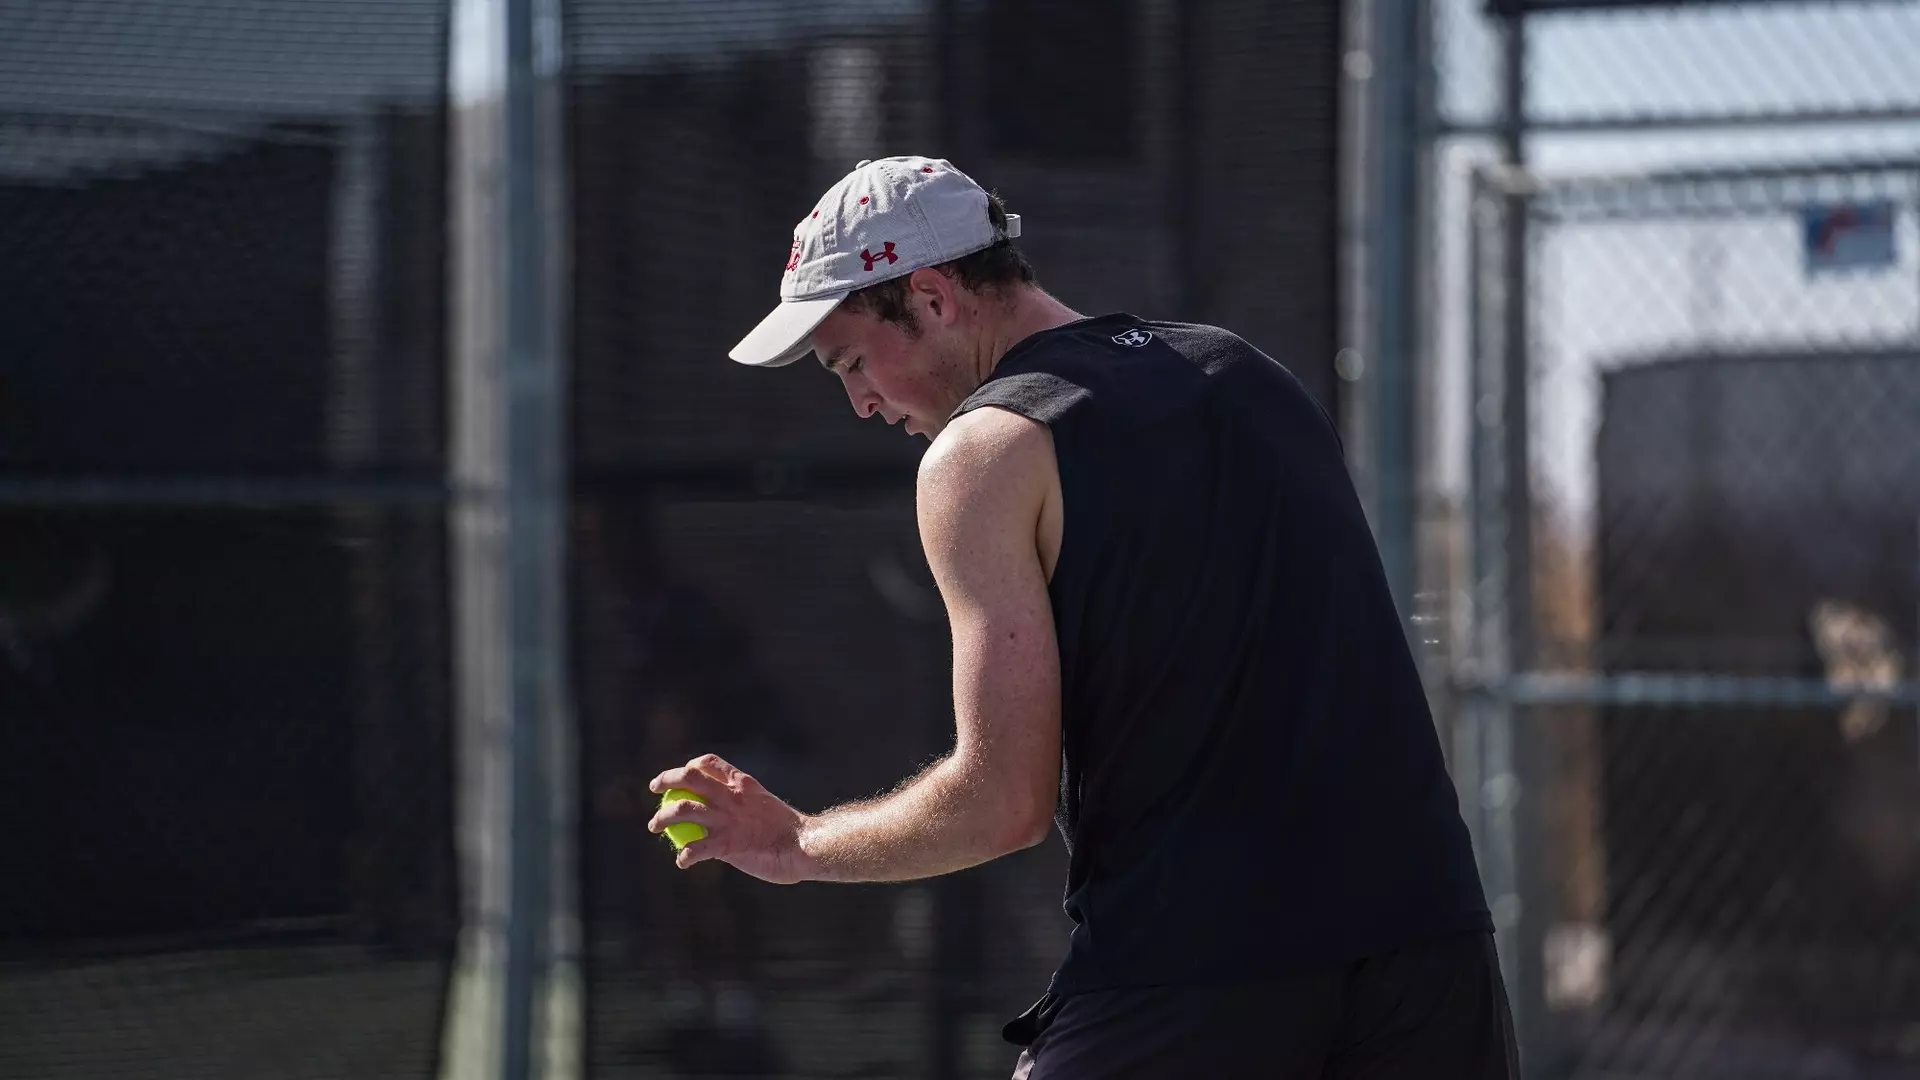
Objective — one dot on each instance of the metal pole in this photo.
(1519, 496)
(1514, 791)
(535, 393)
(1393, 283)
(1429, 583)
(509, 1012)
(1468, 749)
(526, 898)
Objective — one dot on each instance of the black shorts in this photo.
(1434, 1011)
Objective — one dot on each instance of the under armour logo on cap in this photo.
(885, 253)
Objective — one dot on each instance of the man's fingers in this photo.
(715, 766)
(697, 852)
(682, 810)
(691, 779)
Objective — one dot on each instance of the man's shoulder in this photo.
(1203, 342)
(987, 474)
(989, 440)
(1037, 381)
(1132, 366)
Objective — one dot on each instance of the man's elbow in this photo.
(1037, 831)
(1025, 826)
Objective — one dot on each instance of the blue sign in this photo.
(1849, 236)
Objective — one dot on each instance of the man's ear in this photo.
(935, 295)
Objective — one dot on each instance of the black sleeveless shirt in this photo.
(1252, 785)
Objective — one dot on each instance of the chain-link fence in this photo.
(1687, 554)
(225, 769)
(259, 651)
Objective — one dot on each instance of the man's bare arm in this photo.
(980, 495)
(981, 490)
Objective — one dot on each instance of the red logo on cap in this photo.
(793, 257)
(885, 253)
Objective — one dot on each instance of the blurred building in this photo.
(1759, 514)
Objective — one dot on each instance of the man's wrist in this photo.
(806, 842)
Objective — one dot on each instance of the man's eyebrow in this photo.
(833, 358)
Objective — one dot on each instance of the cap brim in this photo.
(781, 337)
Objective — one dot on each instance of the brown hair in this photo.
(990, 271)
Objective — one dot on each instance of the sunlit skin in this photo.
(988, 503)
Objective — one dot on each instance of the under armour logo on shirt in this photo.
(1133, 338)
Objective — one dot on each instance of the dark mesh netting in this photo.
(225, 748)
(229, 642)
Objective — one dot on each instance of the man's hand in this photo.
(748, 827)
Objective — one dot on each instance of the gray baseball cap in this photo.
(883, 220)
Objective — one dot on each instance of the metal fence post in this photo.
(1393, 285)
(511, 1010)
(1515, 796)
(535, 393)
(1469, 726)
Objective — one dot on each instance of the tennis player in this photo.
(1172, 639)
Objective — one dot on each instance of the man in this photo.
(1171, 636)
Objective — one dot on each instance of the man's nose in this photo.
(865, 403)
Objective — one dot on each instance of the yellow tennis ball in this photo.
(684, 832)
